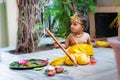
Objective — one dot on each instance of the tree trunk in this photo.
(28, 35)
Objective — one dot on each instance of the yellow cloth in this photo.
(81, 48)
(58, 61)
(102, 43)
(80, 52)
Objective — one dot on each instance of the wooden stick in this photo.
(71, 58)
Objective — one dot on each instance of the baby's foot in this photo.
(92, 60)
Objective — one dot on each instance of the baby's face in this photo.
(76, 27)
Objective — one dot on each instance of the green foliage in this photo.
(61, 13)
(37, 28)
(85, 6)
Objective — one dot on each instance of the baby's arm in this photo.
(88, 39)
(64, 45)
(56, 45)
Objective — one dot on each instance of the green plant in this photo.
(61, 15)
(62, 10)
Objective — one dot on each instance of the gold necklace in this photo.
(78, 36)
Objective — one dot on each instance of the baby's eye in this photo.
(74, 24)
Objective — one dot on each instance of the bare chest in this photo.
(74, 40)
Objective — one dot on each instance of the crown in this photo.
(76, 18)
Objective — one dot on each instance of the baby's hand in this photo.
(56, 45)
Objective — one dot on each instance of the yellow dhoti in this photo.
(80, 52)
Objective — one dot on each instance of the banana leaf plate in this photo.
(28, 64)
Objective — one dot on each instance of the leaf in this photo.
(37, 36)
(66, 2)
(38, 69)
(114, 21)
(92, 9)
(68, 12)
(14, 64)
(36, 26)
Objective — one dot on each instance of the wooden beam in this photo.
(92, 26)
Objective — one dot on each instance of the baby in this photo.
(78, 36)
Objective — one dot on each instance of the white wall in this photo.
(12, 12)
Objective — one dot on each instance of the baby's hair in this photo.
(84, 20)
